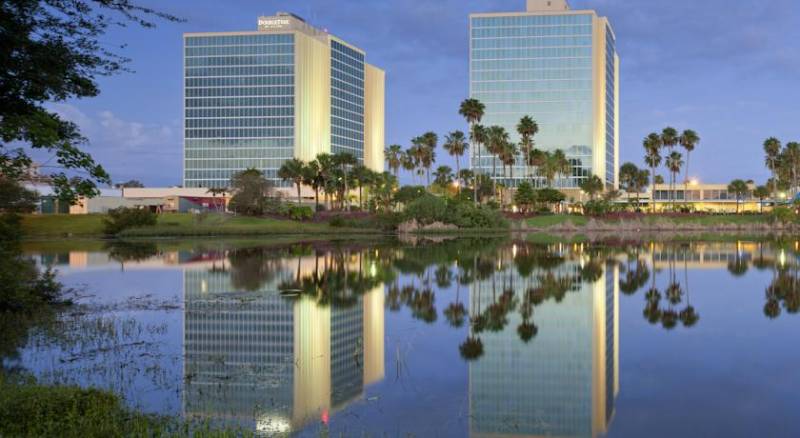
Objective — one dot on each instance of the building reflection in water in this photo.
(275, 362)
(564, 381)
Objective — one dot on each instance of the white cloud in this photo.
(150, 152)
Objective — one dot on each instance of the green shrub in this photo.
(407, 194)
(338, 222)
(120, 219)
(782, 215)
(300, 212)
(427, 210)
(597, 208)
(430, 209)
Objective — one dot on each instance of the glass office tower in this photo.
(288, 90)
(560, 67)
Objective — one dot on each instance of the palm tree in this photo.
(527, 129)
(508, 157)
(739, 189)
(362, 176)
(592, 186)
(428, 142)
(669, 137)
(218, 191)
(456, 145)
(472, 110)
(497, 138)
(689, 140)
(326, 170)
(761, 192)
(394, 158)
(652, 148)
(344, 160)
(312, 177)
(628, 174)
(562, 165)
(409, 163)
(772, 149)
(443, 176)
(674, 164)
(292, 170)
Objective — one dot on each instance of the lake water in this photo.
(456, 337)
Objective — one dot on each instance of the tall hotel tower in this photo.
(559, 66)
(255, 99)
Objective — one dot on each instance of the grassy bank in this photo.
(28, 409)
(646, 222)
(177, 225)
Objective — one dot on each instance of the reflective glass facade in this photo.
(347, 100)
(239, 106)
(543, 66)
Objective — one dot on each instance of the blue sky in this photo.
(727, 69)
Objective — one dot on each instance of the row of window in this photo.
(357, 117)
(223, 61)
(356, 91)
(357, 126)
(222, 164)
(579, 108)
(533, 96)
(532, 85)
(270, 49)
(532, 64)
(216, 51)
(266, 90)
(337, 102)
(346, 54)
(212, 102)
(239, 153)
(531, 75)
(240, 132)
(355, 151)
(276, 107)
(242, 81)
(544, 52)
(224, 181)
(531, 20)
(243, 143)
(695, 195)
(251, 122)
(356, 135)
(511, 43)
(338, 141)
(354, 71)
(202, 72)
(235, 40)
(531, 31)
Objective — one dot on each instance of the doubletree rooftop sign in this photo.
(271, 23)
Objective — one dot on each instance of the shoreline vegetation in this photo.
(38, 227)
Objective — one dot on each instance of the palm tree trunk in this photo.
(686, 180)
(653, 188)
(299, 198)
(316, 199)
(458, 172)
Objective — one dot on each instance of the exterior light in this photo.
(783, 195)
(456, 184)
(694, 182)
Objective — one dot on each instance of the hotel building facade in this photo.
(255, 99)
(560, 67)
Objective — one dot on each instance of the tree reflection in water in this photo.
(503, 277)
